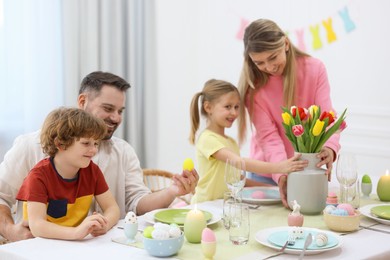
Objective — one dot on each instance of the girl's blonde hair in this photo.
(260, 36)
(65, 125)
(212, 90)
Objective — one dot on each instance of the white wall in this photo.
(196, 41)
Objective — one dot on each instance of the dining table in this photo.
(365, 243)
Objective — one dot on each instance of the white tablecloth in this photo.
(364, 244)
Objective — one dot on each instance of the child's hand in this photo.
(98, 231)
(293, 164)
(89, 225)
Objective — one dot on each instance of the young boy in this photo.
(59, 190)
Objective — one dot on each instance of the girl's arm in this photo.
(40, 227)
(110, 210)
(257, 166)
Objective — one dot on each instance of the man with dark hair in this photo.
(103, 95)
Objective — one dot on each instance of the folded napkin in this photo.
(123, 240)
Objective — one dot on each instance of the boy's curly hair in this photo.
(65, 125)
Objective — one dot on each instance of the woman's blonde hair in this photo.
(212, 90)
(260, 36)
(63, 126)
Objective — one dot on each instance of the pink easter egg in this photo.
(347, 207)
(258, 194)
(208, 235)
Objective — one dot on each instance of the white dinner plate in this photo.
(262, 237)
(270, 195)
(366, 211)
(149, 217)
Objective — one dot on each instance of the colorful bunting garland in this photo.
(316, 42)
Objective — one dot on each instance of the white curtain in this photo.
(30, 66)
(109, 35)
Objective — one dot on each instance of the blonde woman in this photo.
(276, 74)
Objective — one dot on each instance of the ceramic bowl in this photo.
(163, 247)
(342, 223)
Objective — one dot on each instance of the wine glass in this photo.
(346, 173)
(235, 176)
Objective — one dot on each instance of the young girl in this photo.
(220, 104)
(58, 191)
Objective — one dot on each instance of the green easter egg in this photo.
(366, 179)
(148, 231)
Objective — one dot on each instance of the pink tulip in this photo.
(298, 130)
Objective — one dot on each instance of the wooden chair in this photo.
(156, 179)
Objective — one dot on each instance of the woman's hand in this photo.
(282, 183)
(327, 157)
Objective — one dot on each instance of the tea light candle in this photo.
(194, 224)
(383, 188)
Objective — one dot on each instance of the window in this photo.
(30, 66)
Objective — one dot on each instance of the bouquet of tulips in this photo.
(309, 128)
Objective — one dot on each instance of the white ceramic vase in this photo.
(308, 187)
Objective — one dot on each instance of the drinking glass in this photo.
(346, 173)
(239, 224)
(235, 176)
(228, 201)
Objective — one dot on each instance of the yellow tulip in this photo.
(317, 129)
(313, 110)
(286, 118)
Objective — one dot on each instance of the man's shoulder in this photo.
(119, 145)
(116, 141)
(32, 138)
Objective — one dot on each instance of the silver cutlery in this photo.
(308, 241)
(289, 242)
(375, 229)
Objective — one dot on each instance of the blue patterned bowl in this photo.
(163, 247)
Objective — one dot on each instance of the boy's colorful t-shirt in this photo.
(211, 184)
(68, 201)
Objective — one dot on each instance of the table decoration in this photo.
(209, 243)
(177, 216)
(382, 211)
(342, 223)
(366, 211)
(309, 187)
(194, 224)
(216, 216)
(261, 195)
(164, 247)
(295, 218)
(308, 130)
(366, 185)
(383, 188)
(334, 241)
(332, 199)
(130, 226)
